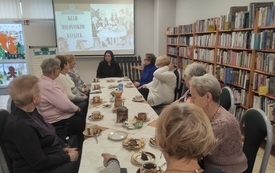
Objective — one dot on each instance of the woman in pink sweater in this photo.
(229, 156)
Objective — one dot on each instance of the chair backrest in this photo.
(7, 163)
(127, 63)
(256, 127)
(178, 84)
(227, 100)
(10, 104)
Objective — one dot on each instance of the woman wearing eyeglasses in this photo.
(148, 70)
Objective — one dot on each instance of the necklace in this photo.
(174, 170)
(216, 112)
(35, 120)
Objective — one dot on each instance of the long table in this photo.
(91, 160)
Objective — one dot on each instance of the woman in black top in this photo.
(108, 67)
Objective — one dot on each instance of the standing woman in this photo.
(148, 70)
(108, 67)
(31, 143)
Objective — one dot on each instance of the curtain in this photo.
(37, 9)
(10, 9)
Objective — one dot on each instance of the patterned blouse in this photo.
(76, 79)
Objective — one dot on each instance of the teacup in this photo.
(95, 80)
(149, 167)
(96, 115)
(142, 116)
(129, 84)
(93, 129)
(96, 99)
(96, 86)
(126, 78)
(138, 97)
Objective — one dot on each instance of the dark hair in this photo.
(112, 56)
(151, 57)
(63, 59)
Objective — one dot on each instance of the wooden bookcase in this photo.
(232, 57)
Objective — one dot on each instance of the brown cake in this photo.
(144, 156)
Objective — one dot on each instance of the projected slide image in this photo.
(94, 27)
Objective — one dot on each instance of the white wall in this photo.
(188, 11)
(165, 16)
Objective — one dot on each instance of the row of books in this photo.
(264, 40)
(171, 40)
(185, 62)
(239, 111)
(240, 96)
(205, 40)
(266, 16)
(266, 104)
(185, 52)
(186, 29)
(235, 39)
(186, 40)
(172, 30)
(236, 77)
(236, 58)
(265, 62)
(260, 80)
(241, 19)
(206, 24)
(209, 67)
(204, 54)
(172, 50)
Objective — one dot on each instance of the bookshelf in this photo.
(238, 51)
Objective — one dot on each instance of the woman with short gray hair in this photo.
(229, 156)
(194, 69)
(55, 106)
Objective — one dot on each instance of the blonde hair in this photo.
(70, 57)
(163, 60)
(22, 89)
(207, 83)
(184, 131)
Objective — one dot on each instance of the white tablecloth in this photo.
(91, 160)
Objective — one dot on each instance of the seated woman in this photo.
(148, 70)
(229, 156)
(194, 69)
(73, 73)
(31, 143)
(162, 88)
(78, 98)
(108, 67)
(55, 106)
(184, 134)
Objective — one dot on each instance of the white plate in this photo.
(140, 100)
(97, 119)
(117, 135)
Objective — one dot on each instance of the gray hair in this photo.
(194, 69)
(207, 83)
(49, 65)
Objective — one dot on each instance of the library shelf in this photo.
(205, 32)
(265, 95)
(234, 48)
(265, 73)
(266, 27)
(190, 33)
(266, 51)
(205, 47)
(169, 44)
(183, 45)
(234, 66)
(205, 61)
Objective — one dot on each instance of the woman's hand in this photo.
(73, 153)
(143, 86)
(136, 84)
(106, 157)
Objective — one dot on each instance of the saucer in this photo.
(92, 135)
(111, 80)
(138, 143)
(100, 101)
(129, 86)
(117, 135)
(140, 100)
(95, 119)
(136, 158)
(126, 79)
(158, 171)
(147, 118)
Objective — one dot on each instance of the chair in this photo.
(227, 100)
(6, 161)
(10, 104)
(126, 64)
(256, 127)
